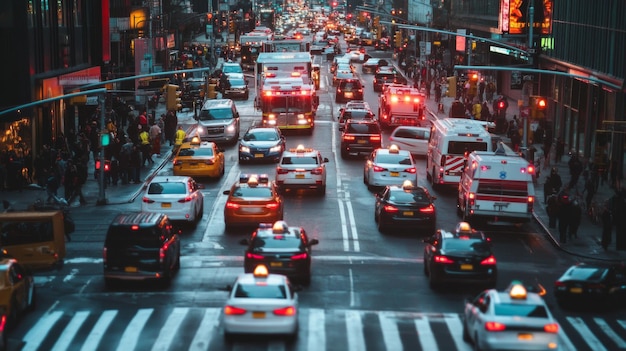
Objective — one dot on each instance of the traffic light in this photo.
(173, 98)
(397, 37)
(105, 139)
(231, 26)
(538, 105)
(451, 87)
(473, 80)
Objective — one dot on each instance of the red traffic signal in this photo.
(501, 105)
(541, 103)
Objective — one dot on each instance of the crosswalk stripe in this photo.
(38, 333)
(565, 344)
(586, 333)
(169, 329)
(391, 335)
(610, 333)
(97, 332)
(133, 330)
(65, 339)
(454, 323)
(202, 340)
(317, 334)
(354, 325)
(425, 334)
(622, 323)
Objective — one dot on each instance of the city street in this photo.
(368, 290)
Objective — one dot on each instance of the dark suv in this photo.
(360, 136)
(387, 75)
(349, 89)
(141, 246)
(354, 114)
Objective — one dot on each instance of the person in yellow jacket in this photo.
(476, 110)
(146, 149)
(179, 138)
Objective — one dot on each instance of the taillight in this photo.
(280, 170)
(186, 199)
(378, 169)
(552, 328)
(301, 256)
(232, 205)
(559, 284)
(317, 171)
(146, 200)
(375, 138)
(411, 170)
(443, 259)
(177, 162)
(349, 137)
(429, 209)
(254, 256)
(233, 311)
(531, 203)
(104, 256)
(285, 311)
(472, 199)
(272, 206)
(494, 326)
(3, 322)
(390, 209)
(488, 261)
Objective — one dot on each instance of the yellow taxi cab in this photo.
(17, 290)
(252, 200)
(197, 158)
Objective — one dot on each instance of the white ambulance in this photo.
(451, 140)
(497, 186)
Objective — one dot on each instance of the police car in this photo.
(302, 168)
(252, 200)
(390, 166)
(261, 303)
(513, 319)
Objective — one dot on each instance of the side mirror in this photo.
(325, 159)
(313, 242)
(226, 192)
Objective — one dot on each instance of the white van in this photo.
(411, 138)
(497, 186)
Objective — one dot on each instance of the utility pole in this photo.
(527, 89)
(101, 195)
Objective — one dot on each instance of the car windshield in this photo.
(261, 291)
(261, 136)
(409, 197)
(258, 192)
(167, 188)
(363, 128)
(215, 114)
(201, 151)
(308, 160)
(521, 310)
(393, 159)
(351, 85)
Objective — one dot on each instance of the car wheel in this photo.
(432, 281)
(381, 227)
(344, 153)
(177, 263)
(322, 190)
(245, 97)
(466, 336)
(13, 317)
(476, 343)
(229, 337)
(433, 183)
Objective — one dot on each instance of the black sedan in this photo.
(405, 206)
(282, 249)
(261, 144)
(372, 64)
(454, 257)
(592, 284)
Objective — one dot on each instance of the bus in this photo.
(267, 18)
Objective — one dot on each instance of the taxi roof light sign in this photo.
(261, 271)
(517, 291)
(394, 149)
(407, 185)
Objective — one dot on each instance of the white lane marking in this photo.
(586, 333)
(170, 328)
(355, 235)
(352, 293)
(425, 334)
(354, 326)
(610, 333)
(454, 323)
(65, 339)
(391, 335)
(344, 227)
(133, 330)
(622, 323)
(35, 336)
(216, 219)
(202, 340)
(97, 332)
(317, 331)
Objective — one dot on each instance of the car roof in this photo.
(171, 179)
(503, 297)
(385, 151)
(271, 279)
(202, 144)
(263, 129)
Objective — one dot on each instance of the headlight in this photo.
(275, 148)
(230, 128)
(244, 149)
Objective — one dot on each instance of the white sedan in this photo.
(411, 138)
(179, 197)
(514, 319)
(261, 303)
(390, 166)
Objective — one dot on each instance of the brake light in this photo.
(472, 199)
(375, 138)
(531, 203)
(209, 162)
(552, 328)
(186, 199)
(280, 170)
(443, 259)
(233, 311)
(429, 209)
(349, 137)
(411, 170)
(559, 284)
(378, 169)
(3, 322)
(285, 311)
(489, 261)
(390, 209)
(146, 200)
(177, 162)
(232, 205)
(494, 326)
(162, 252)
(317, 171)
(254, 256)
(302, 256)
(272, 206)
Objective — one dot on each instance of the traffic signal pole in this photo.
(101, 194)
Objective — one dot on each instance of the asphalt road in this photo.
(368, 290)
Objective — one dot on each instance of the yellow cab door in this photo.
(35, 239)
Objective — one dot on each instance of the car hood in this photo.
(259, 143)
(216, 122)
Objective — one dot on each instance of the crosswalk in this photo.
(197, 329)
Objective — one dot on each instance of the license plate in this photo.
(348, 95)
(576, 290)
(258, 314)
(276, 264)
(524, 336)
(467, 267)
(130, 269)
(408, 213)
(166, 205)
(394, 174)
(258, 155)
(299, 176)
(361, 141)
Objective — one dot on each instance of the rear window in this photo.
(308, 160)
(261, 291)
(125, 237)
(393, 159)
(216, 113)
(167, 188)
(21, 233)
(352, 84)
(533, 311)
(386, 75)
(413, 197)
(500, 187)
(478, 246)
(363, 128)
(276, 242)
(232, 69)
(356, 114)
(203, 151)
(460, 147)
(261, 192)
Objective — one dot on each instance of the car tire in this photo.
(432, 281)
(229, 337)
(177, 263)
(381, 227)
(344, 153)
(466, 336)
(245, 97)
(476, 343)
(322, 190)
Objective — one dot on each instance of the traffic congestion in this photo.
(335, 210)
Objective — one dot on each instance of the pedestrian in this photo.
(52, 186)
(477, 110)
(180, 137)
(547, 147)
(79, 177)
(134, 165)
(485, 115)
(146, 149)
(564, 214)
(575, 169)
(607, 227)
(437, 92)
(552, 185)
(155, 137)
(516, 139)
(589, 192)
(171, 121)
